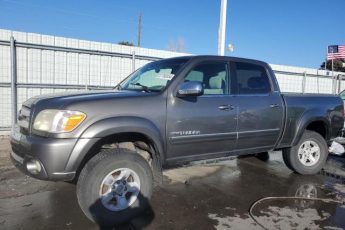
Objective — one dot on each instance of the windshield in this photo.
(153, 77)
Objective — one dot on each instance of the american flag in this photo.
(336, 52)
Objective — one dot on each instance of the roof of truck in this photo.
(217, 57)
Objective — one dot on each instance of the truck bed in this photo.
(300, 107)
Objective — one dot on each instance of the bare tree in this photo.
(125, 43)
(178, 45)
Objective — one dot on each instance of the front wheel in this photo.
(308, 156)
(114, 186)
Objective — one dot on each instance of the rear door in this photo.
(260, 108)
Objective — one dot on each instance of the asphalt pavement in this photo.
(243, 193)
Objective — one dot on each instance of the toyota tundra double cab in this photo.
(115, 144)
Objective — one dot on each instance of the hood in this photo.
(80, 95)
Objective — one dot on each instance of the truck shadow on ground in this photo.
(136, 218)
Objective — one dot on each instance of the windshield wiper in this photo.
(144, 87)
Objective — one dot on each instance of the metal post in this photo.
(88, 82)
(133, 61)
(13, 81)
(304, 81)
(334, 84)
(339, 83)
(221, 30)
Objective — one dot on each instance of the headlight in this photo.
(58, 121)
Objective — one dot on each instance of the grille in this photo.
(24, 119)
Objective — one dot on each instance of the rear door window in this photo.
(251, 79)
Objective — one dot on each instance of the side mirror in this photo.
(190, 88)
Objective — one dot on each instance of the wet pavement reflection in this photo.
(217, 196)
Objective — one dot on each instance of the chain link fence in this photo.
(306, 80)
(34, 64)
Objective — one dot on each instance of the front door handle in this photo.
(274, 106)
(226, 107)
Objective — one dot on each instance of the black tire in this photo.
(285, 159)
(92, 175)
(290, 155)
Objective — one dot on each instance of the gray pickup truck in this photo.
(115, 144)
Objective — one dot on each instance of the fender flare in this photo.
(111, 126)
(306, 119)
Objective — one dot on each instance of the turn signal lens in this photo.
(73, 121)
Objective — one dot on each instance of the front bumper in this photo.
(53, 155)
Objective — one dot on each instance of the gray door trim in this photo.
(203, 137)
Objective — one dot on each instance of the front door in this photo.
(200, 127)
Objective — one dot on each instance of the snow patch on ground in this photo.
(182, 175)
(272, 217)
(234, 222)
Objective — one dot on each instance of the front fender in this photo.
(110, 126)
(118, 125)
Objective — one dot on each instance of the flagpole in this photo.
(334, 81)
(332, 67)
(326, 57)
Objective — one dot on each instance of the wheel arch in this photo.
(116, 130)
(313, 121)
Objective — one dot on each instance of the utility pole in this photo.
(139, 29)
(222, 25)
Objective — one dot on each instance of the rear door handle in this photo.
(226, 107)
(274, 106)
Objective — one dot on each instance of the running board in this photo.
(211, 161)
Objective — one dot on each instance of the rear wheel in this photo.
(114, 186)
(308, 156)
